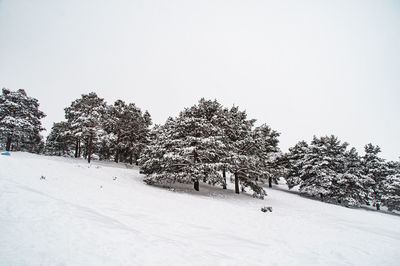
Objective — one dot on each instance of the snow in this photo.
(80, 215)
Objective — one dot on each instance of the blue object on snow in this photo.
(6, 153)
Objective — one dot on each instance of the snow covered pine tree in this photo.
(60, 141)
(128, 128)
(326, 170)
(85, 116)
(374, 167)
(293, 162)
(20, 120)
(391, 186)
(187, 149)
(204, 143)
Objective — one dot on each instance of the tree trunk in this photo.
(131, 158)
(236, 184)
(76, 148)
(224, 176)
(116, 159)
(90, 148)
(196, 183)
(270, 181)
(79, 148)
(117, 150)
(8, 145)
(378, 206)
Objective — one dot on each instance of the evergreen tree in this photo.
(391, 187)
(374, 168)
(20, 120)
(187, 149)
(267, 151)
(85, 116)
(204, 143)
(152, 159)
(351, 186)
(60, 141)
(293, 162)
(138, 130)
(240, 159)
(322, 165)
(326, 170)
(129, 130)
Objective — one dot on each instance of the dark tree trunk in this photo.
(79, 148)
(116, 159)
(131, 158)
(378, 206)
(224, 176)
(8, 144)
(90, 148)
(136, 159)
(196, 183)
(270, 181)
(236, 184)
(117, 150)
(76, 148)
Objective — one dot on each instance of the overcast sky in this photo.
(303, 67)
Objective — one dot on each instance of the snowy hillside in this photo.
(103, 214)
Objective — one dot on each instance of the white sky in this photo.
(303, 67)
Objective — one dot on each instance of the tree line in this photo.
(327, 170)
(205, 143)
(92, 128)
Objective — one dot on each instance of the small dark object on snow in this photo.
(266, 209)
(115, 178)
(42, 177)
(101, 186)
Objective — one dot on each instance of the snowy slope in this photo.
(79, 215)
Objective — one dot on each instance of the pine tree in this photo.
(129, 129)
(326, 170)
(267, 152)
(85, 116)
(293, 162)
(204, 143)
(240, 145)
(152, 158)
(323, 164)
(60, 141)
(137, 133)
(20, 120)
(187, 149)
(351, 186)
(374, 168)
(391, 187)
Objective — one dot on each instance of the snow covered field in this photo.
(80, 215)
